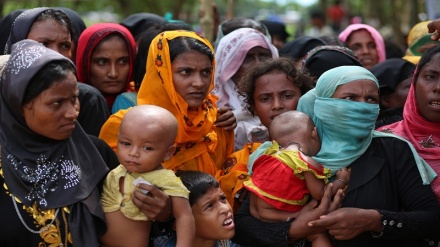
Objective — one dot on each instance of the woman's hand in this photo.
(156, 205)
(225, 118)
(301, 228)
(347, 223)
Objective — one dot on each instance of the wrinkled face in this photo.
(255, 55)
(213, 216)
(361, 91)
(427, 89)
(110, 66)
(192, 75)
(140, 151)
(53, 113)
(52, 35)
(397, 98)
(362, 44)
(274, 94)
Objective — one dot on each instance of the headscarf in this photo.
(418, 36)
(378, 40)
(87, 43)
(21, 26)
(299, 47)
(326, 57)
(230, 55)
(78, 24)
(391, 72)
(345, 127)
(236, 23)
(139, 22)
(423, 134)
(6, 24)
(196, 137)
(72, 168)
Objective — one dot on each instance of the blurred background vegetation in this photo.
(394, 18)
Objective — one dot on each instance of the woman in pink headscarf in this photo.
(421, 113)
(235, 54)
(366, 42)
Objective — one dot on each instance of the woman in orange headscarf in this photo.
(179, 78)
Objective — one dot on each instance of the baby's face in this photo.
(140, 148)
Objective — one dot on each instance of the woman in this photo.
(421, 121)
(179, 78)
(53, 28)
(50, 168)
(388, 201)
(366, 42)
(105, 58)
(212, 213)
(236, 53)
(6, 24)
(394, 76)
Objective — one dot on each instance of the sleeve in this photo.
(174, 186)
(421, 218)
(250, 231)
(110, 191)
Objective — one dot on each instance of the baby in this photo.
(285, 175)
(146, 139)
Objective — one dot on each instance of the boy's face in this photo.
(213, 216)
(141, 149)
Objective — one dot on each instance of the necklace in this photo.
(24, 223)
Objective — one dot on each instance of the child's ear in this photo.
(315, 134)
(170, 152)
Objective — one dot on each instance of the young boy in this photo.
(285, 175)
(146, 139)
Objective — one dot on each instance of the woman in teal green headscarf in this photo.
(346, 127)
(389, 182)
(387, 201)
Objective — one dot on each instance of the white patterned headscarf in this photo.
(230, 54)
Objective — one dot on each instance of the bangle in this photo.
(342, 180)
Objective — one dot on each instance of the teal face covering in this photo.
(345, 127)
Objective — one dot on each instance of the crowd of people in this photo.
(144, 133)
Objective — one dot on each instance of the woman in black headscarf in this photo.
(394, 76)
(50, 169)
(298, 48)
(6, 24)
(31, 24)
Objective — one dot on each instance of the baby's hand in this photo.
(343, 175)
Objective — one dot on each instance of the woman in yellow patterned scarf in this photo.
(179, 78)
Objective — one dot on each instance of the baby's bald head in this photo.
(151, 118)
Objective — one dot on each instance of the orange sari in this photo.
(200, 145)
